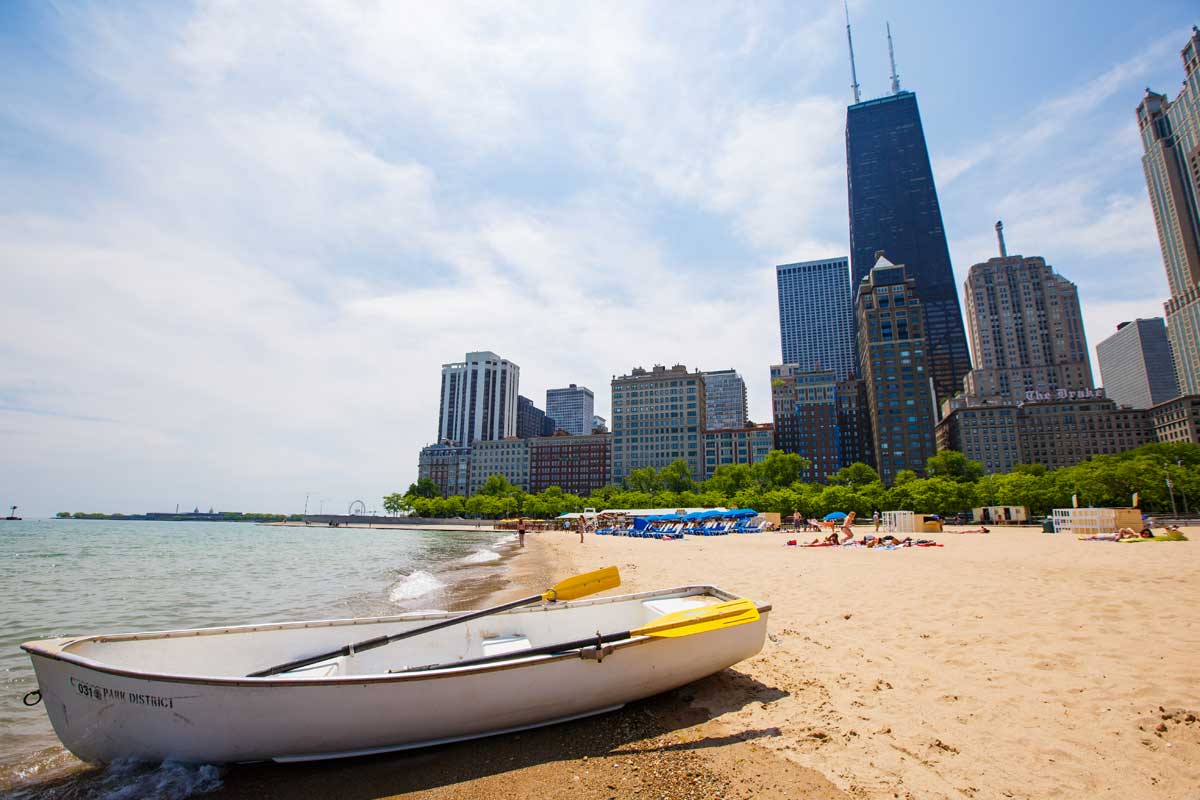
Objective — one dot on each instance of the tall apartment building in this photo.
(531, 420)
(816, 316)
(1177, 420)
(657, 418)
(821, 418)
(748, 444)
(479, 399)
(1136, 365)
(576, 464)
(1059, 434)
(448, 466)
(571, 408)
(1055, 433)
(725, 399)
(892, 352)
(894, 208)
(507, 457)
(983, 433)
(1171, 139)
(1026, 330)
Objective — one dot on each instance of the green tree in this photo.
(727, 480)
(498, 486)
(904, 476)
(1036, 470)
(857, 474)
(836, 498)
(779, 469)
(953, 465)
(395, 503)
(781, 501)
(940, 495)
(645, 480)
(677, 477)
(424, 487)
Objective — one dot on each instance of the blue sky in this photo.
(238, 240)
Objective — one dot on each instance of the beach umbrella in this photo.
(834, 515)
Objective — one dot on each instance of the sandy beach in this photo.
(1011, 665)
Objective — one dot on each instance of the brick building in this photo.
(576, 464)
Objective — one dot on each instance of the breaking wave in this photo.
(130, 780)
(482, 557)
(418, 584)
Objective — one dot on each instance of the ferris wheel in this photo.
(358, 509)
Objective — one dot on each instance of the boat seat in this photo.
(669, 605)
(503, 645)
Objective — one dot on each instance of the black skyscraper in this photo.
(894, 208)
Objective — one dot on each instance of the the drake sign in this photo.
(1066, 394)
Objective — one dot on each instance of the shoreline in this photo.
(47, 769)
(388, 527)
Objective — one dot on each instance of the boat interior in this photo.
(235, 652)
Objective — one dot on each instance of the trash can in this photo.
(1048, 525)
(931, 524)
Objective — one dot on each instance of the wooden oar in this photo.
(679, 623)
(571, 588)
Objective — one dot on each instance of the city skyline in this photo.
(220, 215)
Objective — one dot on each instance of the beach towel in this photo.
(1167, 537)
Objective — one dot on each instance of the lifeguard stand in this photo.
(898, 522)
(1091, 521)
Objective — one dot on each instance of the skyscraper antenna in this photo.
(850, 41)
(892, 56)
(1000, 238)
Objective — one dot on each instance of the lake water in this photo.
(66, 577)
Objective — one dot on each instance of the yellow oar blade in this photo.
(585, 584)
(700, 620)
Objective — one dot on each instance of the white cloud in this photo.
(291, 216)
(259, 305)
(1061, 116)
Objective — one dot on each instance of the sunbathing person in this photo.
(980, 529)
(1124, 533)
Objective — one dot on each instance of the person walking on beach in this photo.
(521, 531)
(582, 525)
(875, 520)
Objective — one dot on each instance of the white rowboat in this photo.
(184, 695)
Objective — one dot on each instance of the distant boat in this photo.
(13, 514)
(187, 695)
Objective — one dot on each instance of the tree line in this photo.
(1157, 472)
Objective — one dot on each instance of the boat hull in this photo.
(103, 714)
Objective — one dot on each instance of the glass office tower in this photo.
(894, 209)
(816, 316)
